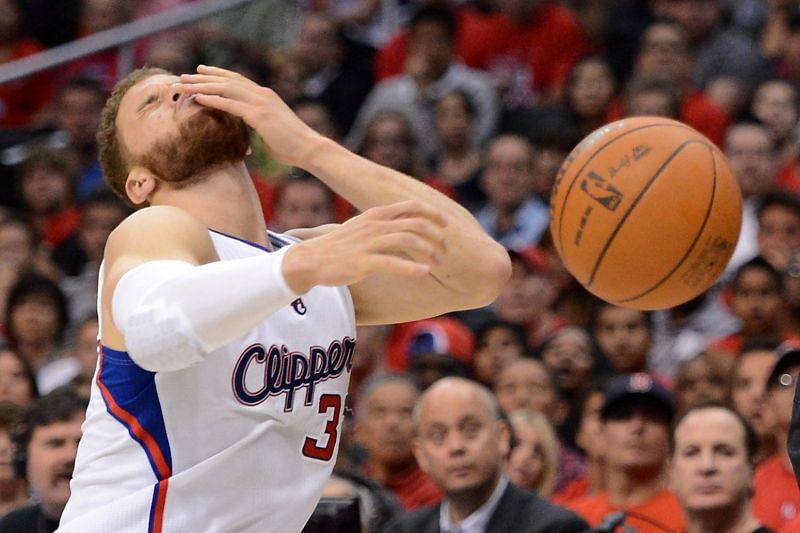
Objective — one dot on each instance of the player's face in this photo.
(569, 357)
(51, 460)
(152, 105)
(624, 336)
(189, 138)
(526, 462)
(757, 302)
(748, 389)
(635, 436)
(459, 443)
(385, 427)
(710, 469)
(525, 384)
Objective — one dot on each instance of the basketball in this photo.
(645, 213)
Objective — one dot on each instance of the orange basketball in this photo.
(645, 213)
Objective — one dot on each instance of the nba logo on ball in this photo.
(645, 213)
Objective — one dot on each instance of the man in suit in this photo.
(462, 443)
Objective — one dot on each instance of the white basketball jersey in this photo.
(242, 442)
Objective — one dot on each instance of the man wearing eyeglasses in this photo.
(777, 498)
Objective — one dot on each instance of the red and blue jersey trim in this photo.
(131, 397)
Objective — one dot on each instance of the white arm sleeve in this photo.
(173, 313)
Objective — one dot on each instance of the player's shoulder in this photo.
(157, 227)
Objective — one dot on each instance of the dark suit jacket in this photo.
(518, 511)
(794, 434)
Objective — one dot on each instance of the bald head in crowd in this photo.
(462, 443)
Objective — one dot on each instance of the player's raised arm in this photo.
(470, 270)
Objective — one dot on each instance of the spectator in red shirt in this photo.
(385, 429)
(21, 99)
(757, 298)
(776, 500)
(636, 416)
(528, 47)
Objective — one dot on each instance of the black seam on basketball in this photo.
(696, 237)
(633, 205)
(598, 152)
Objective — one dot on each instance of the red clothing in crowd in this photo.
(61, 225)
(413, 488)
(788, 177)
(660, 513)
(527, 60)
(697, 110)
(776, 498)
(732, 344)
(391, 58)
(21, 99)
(576, 489)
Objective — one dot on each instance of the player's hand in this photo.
(287, 137)
(405, 239)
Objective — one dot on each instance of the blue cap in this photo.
(638, 385)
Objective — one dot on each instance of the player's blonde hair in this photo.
(113, 153)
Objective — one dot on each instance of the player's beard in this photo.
(207, 139)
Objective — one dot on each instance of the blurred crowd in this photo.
(678, 417)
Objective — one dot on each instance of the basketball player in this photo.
(225, 349)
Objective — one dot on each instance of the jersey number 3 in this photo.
(327, 402)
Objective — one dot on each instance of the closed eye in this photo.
(149, 100)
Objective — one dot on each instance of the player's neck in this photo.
(225, 201)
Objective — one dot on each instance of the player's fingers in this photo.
(418, 226)
(218, 71)
(233, 107)
(409, 243)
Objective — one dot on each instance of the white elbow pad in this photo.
(157, 336)
(173, 313)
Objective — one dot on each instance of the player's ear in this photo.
(140, 185)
